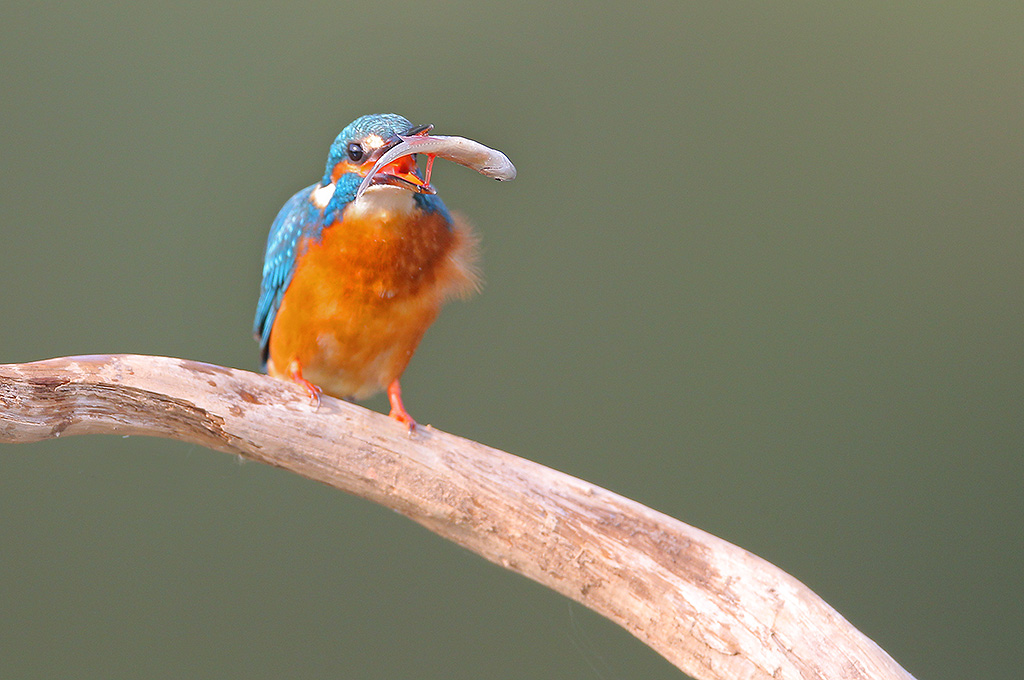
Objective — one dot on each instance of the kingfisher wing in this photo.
(298, 216)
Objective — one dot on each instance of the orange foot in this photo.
(398, 411)
(295, 375)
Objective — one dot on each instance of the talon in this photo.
(295, 375)
(398, 411)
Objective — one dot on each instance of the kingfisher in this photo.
(358, 265)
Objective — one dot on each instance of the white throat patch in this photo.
(322, 196)
(384, 199)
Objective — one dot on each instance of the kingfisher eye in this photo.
(355, 152)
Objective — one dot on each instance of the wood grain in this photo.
(711, 608)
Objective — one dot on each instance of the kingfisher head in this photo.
(363, 141)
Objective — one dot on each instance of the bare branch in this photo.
(712, 609)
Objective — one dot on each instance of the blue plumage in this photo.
(296, 217)
(384, 125)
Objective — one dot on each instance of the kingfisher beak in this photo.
(402, 172)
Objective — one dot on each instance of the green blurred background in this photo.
(761, 270)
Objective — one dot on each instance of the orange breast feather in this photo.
(361, 299)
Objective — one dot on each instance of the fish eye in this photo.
(355, 151)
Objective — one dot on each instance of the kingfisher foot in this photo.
(295, 375)
(398, 411)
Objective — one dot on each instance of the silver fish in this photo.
(485, 160)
